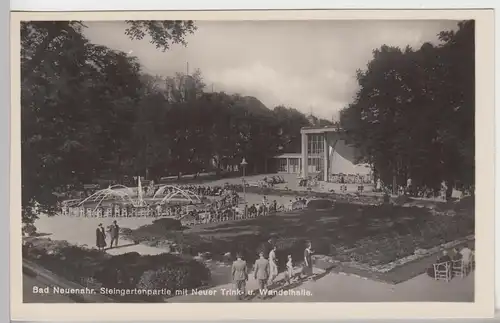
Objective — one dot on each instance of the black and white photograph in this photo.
(245, 161)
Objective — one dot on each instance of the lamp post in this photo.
(243, 166)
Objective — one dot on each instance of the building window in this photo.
(315, 144)
(315, 164)
(282, 165)
(294, 165)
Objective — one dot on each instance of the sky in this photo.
(306, 65)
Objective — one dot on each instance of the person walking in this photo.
(273, 265)
(239, 275)
(261, 273)
(289, 270)
(308, 270)
(114, 232)
(268, 246)
(100, 237)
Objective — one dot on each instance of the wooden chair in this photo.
(459, 268)
(442, 271)
(470, 263)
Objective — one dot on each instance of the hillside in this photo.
(252, 105)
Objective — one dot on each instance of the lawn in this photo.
(369, 235)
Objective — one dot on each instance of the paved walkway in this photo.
(81, 231)
(346, 288)
(221, 293)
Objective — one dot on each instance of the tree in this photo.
(163, 34)
(457, 134)
(289, 122)
(413, 116)
(182, 87)
(77, 106)
(89, 112)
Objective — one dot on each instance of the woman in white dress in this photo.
(273, 265)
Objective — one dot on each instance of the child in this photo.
(289, 270)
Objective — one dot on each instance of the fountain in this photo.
(114, 192)
(134, 197)
(175, 193)
(120, 200)
(121, 192)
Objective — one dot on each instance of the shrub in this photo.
(122, 271)
(168, 224)
(71, 262)
(29, 229)
(127, 270)
(320, 204)
(156, 235)
(125, 231)
(126, 258)
(298, 205)
(402, 199)
(188, 275)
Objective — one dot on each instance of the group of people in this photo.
(123, 210)
(343, 189)
(113, 230)
(202, 190)
(229, 199)
(413, 190)
(228, 213)
(445, 260)
(170, 210)
(265, 270)
(297, 203)
(228, 209)
(350, 179)
(224, 208)
(273, 180)
(309, 182)
(264, 208)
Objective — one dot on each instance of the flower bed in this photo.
(126, 271)
(349, 233)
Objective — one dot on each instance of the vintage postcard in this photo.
(252, 164)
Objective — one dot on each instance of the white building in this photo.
(325, 153)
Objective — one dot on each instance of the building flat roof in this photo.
(289, 155)
(298, 155)
(319, 129)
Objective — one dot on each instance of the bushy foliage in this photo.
(122, 271)
(319, 204)
(187, 275)
(168, 224)
(29, 229)
(413, 116)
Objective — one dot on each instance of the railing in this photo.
(115, 212)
